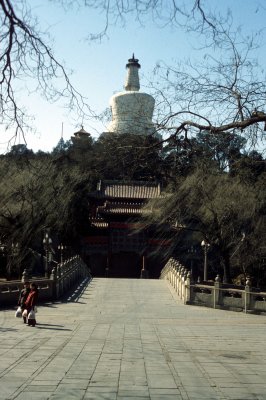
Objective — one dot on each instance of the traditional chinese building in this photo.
(81, 137)
(120, 243)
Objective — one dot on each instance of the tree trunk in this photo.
(225, 261)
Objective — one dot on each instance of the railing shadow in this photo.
(74, 295)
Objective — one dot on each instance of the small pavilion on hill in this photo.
(120, 243)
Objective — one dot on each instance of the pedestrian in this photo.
(30, 304)
(23, 297)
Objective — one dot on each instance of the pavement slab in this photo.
(132, 339)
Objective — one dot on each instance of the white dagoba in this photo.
(132, 110)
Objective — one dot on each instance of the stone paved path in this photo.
(132, 339)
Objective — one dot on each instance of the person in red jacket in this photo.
(23, 297)
(31, 302)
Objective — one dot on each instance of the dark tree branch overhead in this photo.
(221, 93)
(231, 126)
(24, 55)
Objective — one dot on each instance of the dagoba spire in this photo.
(132, 110)
(132, 79)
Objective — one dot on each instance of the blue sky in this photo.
(99, 68)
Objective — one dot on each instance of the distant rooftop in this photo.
(81, 132)
(129, 190)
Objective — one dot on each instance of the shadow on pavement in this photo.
(59, 326)
(8, 330)
(52, 327)
(76, 293)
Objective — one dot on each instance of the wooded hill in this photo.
(215, 190)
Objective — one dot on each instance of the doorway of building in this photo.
(125, 265)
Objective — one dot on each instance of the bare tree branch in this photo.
(25, 55)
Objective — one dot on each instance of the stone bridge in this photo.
(132, 339)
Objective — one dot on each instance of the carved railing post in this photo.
(58, 281)
(176, 274)
(53, 278)
(53, 273)
(182, 271)
(184, 277)
(216, 291)
(176, 277)
(25, 276)
(187, 288)
(171, 272)
(247, 296)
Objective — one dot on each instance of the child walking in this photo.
(31, 302)
(23, 297)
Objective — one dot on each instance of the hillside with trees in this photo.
(214, 191)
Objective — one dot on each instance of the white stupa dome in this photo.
(132, 110)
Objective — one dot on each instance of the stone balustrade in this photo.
(63, 277)
(213, 294)
(179, 277)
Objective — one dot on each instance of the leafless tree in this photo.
(26, 55)
(225, 92)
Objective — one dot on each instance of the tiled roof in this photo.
(81, 132)
(120, 208)
(132, 190)
(99, 223)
